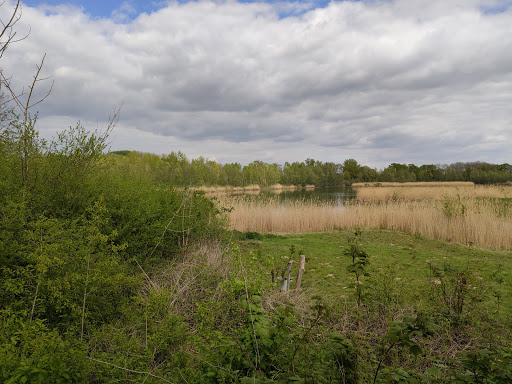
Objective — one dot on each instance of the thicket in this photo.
(79, 238)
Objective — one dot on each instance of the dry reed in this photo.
(415, 184)
(185, 280)
(227, 189)
(271, 216)
(438, 192)
(248, 189)
(458, 216)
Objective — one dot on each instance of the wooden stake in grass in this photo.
(285, 287)
(299, 276)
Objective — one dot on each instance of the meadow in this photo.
(428, 310)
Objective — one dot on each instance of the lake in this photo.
(331, 195)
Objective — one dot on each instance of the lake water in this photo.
(333, 195)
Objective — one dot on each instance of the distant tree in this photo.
(352, 169)
(233, 174)
(505, 167)
(369, 174)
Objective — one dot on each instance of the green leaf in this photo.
(256, 299)
(415, 349)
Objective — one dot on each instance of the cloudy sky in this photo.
(381, 81)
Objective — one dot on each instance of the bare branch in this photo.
(113, 119)
(25, 104)
(16, 98)
(14, 19)
(31, 87)
(129, 370)
(7, 28)
(43, 98)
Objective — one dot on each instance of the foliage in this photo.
(74, 235)
(177, 170)
(358, 266)
(486, 365)
(32, 353)
(405, 333)
(453, 290)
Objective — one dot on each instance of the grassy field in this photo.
(409, 260)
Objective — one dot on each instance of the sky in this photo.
(380, 81)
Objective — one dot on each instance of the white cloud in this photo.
(385, 81)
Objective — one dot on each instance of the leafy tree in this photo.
(352, 168)
(234, 176)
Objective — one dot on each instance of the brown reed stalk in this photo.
(462, 218)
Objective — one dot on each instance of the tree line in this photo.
(176, 169)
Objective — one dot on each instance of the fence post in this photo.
(302, 266)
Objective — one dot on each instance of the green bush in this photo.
(31, 353)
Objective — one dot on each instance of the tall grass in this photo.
(272, 216)
(433, 192)
(415, 184)
(250, 188)
(469, 218)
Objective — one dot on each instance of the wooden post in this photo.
(302, 266)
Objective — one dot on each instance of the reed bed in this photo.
(485, 223)
(272, 216)
(415, 184)
(249, 188)
(227, 189)
(438, 192)
(470, 221)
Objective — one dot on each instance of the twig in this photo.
(167, 227)
(207, 362)
(130, 370)
(147, 276)
(181, 374)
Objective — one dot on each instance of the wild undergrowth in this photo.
(415, 310)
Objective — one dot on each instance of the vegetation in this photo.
(178, 170)
(479, 216)
(109, 273)
(415, 310)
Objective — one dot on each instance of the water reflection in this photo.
(331, 195)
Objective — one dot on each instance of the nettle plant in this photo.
(359, 263)
(453, 289)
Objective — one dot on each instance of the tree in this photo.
(22, 100)
(351, 168)
(233, 173)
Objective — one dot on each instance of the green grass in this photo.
(400, 266)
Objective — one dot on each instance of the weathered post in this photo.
(302, 266)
